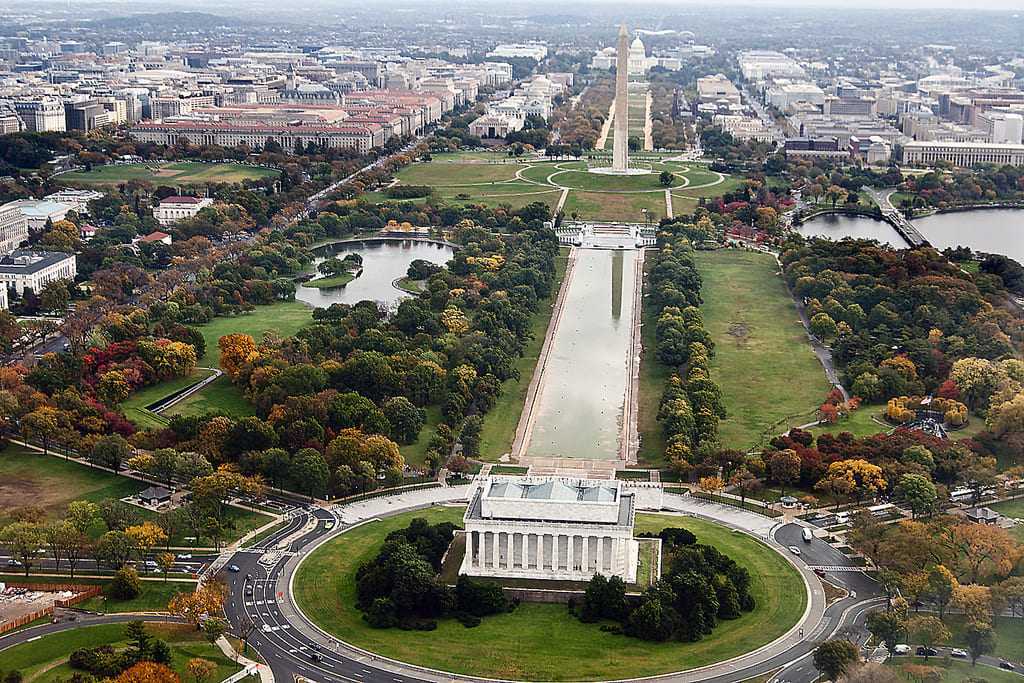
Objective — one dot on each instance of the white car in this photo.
(958, 653)
(901, 649)
(793, 549)
(184, 556)
(266, 628)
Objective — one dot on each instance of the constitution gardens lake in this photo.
(582, 396)
(995, 231)
(384, 261)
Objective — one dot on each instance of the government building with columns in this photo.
(550, 528)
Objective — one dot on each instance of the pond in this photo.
(384, 261)
(581, 400)
(995, 231)
(838, 226)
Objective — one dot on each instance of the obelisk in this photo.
(620, 142)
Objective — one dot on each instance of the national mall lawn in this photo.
(543, 641)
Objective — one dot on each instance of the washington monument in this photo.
(620, 143)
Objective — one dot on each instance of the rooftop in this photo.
(27, 261)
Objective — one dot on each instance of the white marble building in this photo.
(550, 528)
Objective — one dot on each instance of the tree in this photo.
(144, 537)
(887, 626)
(40, 425)
(469, 437)
(974, 601)
(980, 639)
(929, 631)
(309, 472)
(236, 350)
(918, 492)
(666, 178)
(206, 600)
(833, 657)
(23, 540)
(942, 584)
(744, 481)
(126, 584)
(870, 672)
(865, 478)
(200, 669)
(823, 326)
(148, 672)
(214, 628)
(110, 452)
(114, 548)
(165, 561)
(406, 419)
(982, 550)
(784, 467)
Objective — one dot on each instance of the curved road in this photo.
(260, 595)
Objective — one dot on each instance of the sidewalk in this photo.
(250, 666)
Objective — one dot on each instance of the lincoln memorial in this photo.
(550, 528)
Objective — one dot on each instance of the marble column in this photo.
(540, 550)
(494, 550)
(469, 549)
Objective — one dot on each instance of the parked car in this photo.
(13, 563)
(184, 556)
(901, 649)
(819, 571)
(1003, 664)
(958, 653)
(923, 651)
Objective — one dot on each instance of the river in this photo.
(996, 231)
(580, 407)
(384, 261)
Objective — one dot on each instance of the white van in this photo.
(807, 535)
(843, 518)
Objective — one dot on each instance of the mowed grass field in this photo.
(45, 660)
(763, 363)
(50, 483)
(542, 641)
(467, 179)
(174, 174)
(31, 478)
(499, 429)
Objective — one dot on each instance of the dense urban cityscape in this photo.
(410, 341)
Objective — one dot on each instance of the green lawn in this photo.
(135, 407)
(49, 482)
(45, 660)
(763, 362)
(283, 319)
(443, 172)
(154, 596)
(955, 671)
(220, 395)
(612, 206)
(1009, 633)
(499, 429)
(541, 641)
(328, 282)
(175, 174)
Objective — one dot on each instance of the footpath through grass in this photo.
(45, 660)
(763, 362)
(542, 641)
(499, 429)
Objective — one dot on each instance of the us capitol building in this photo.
(551, 528)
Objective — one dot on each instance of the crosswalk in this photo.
(835, 568)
